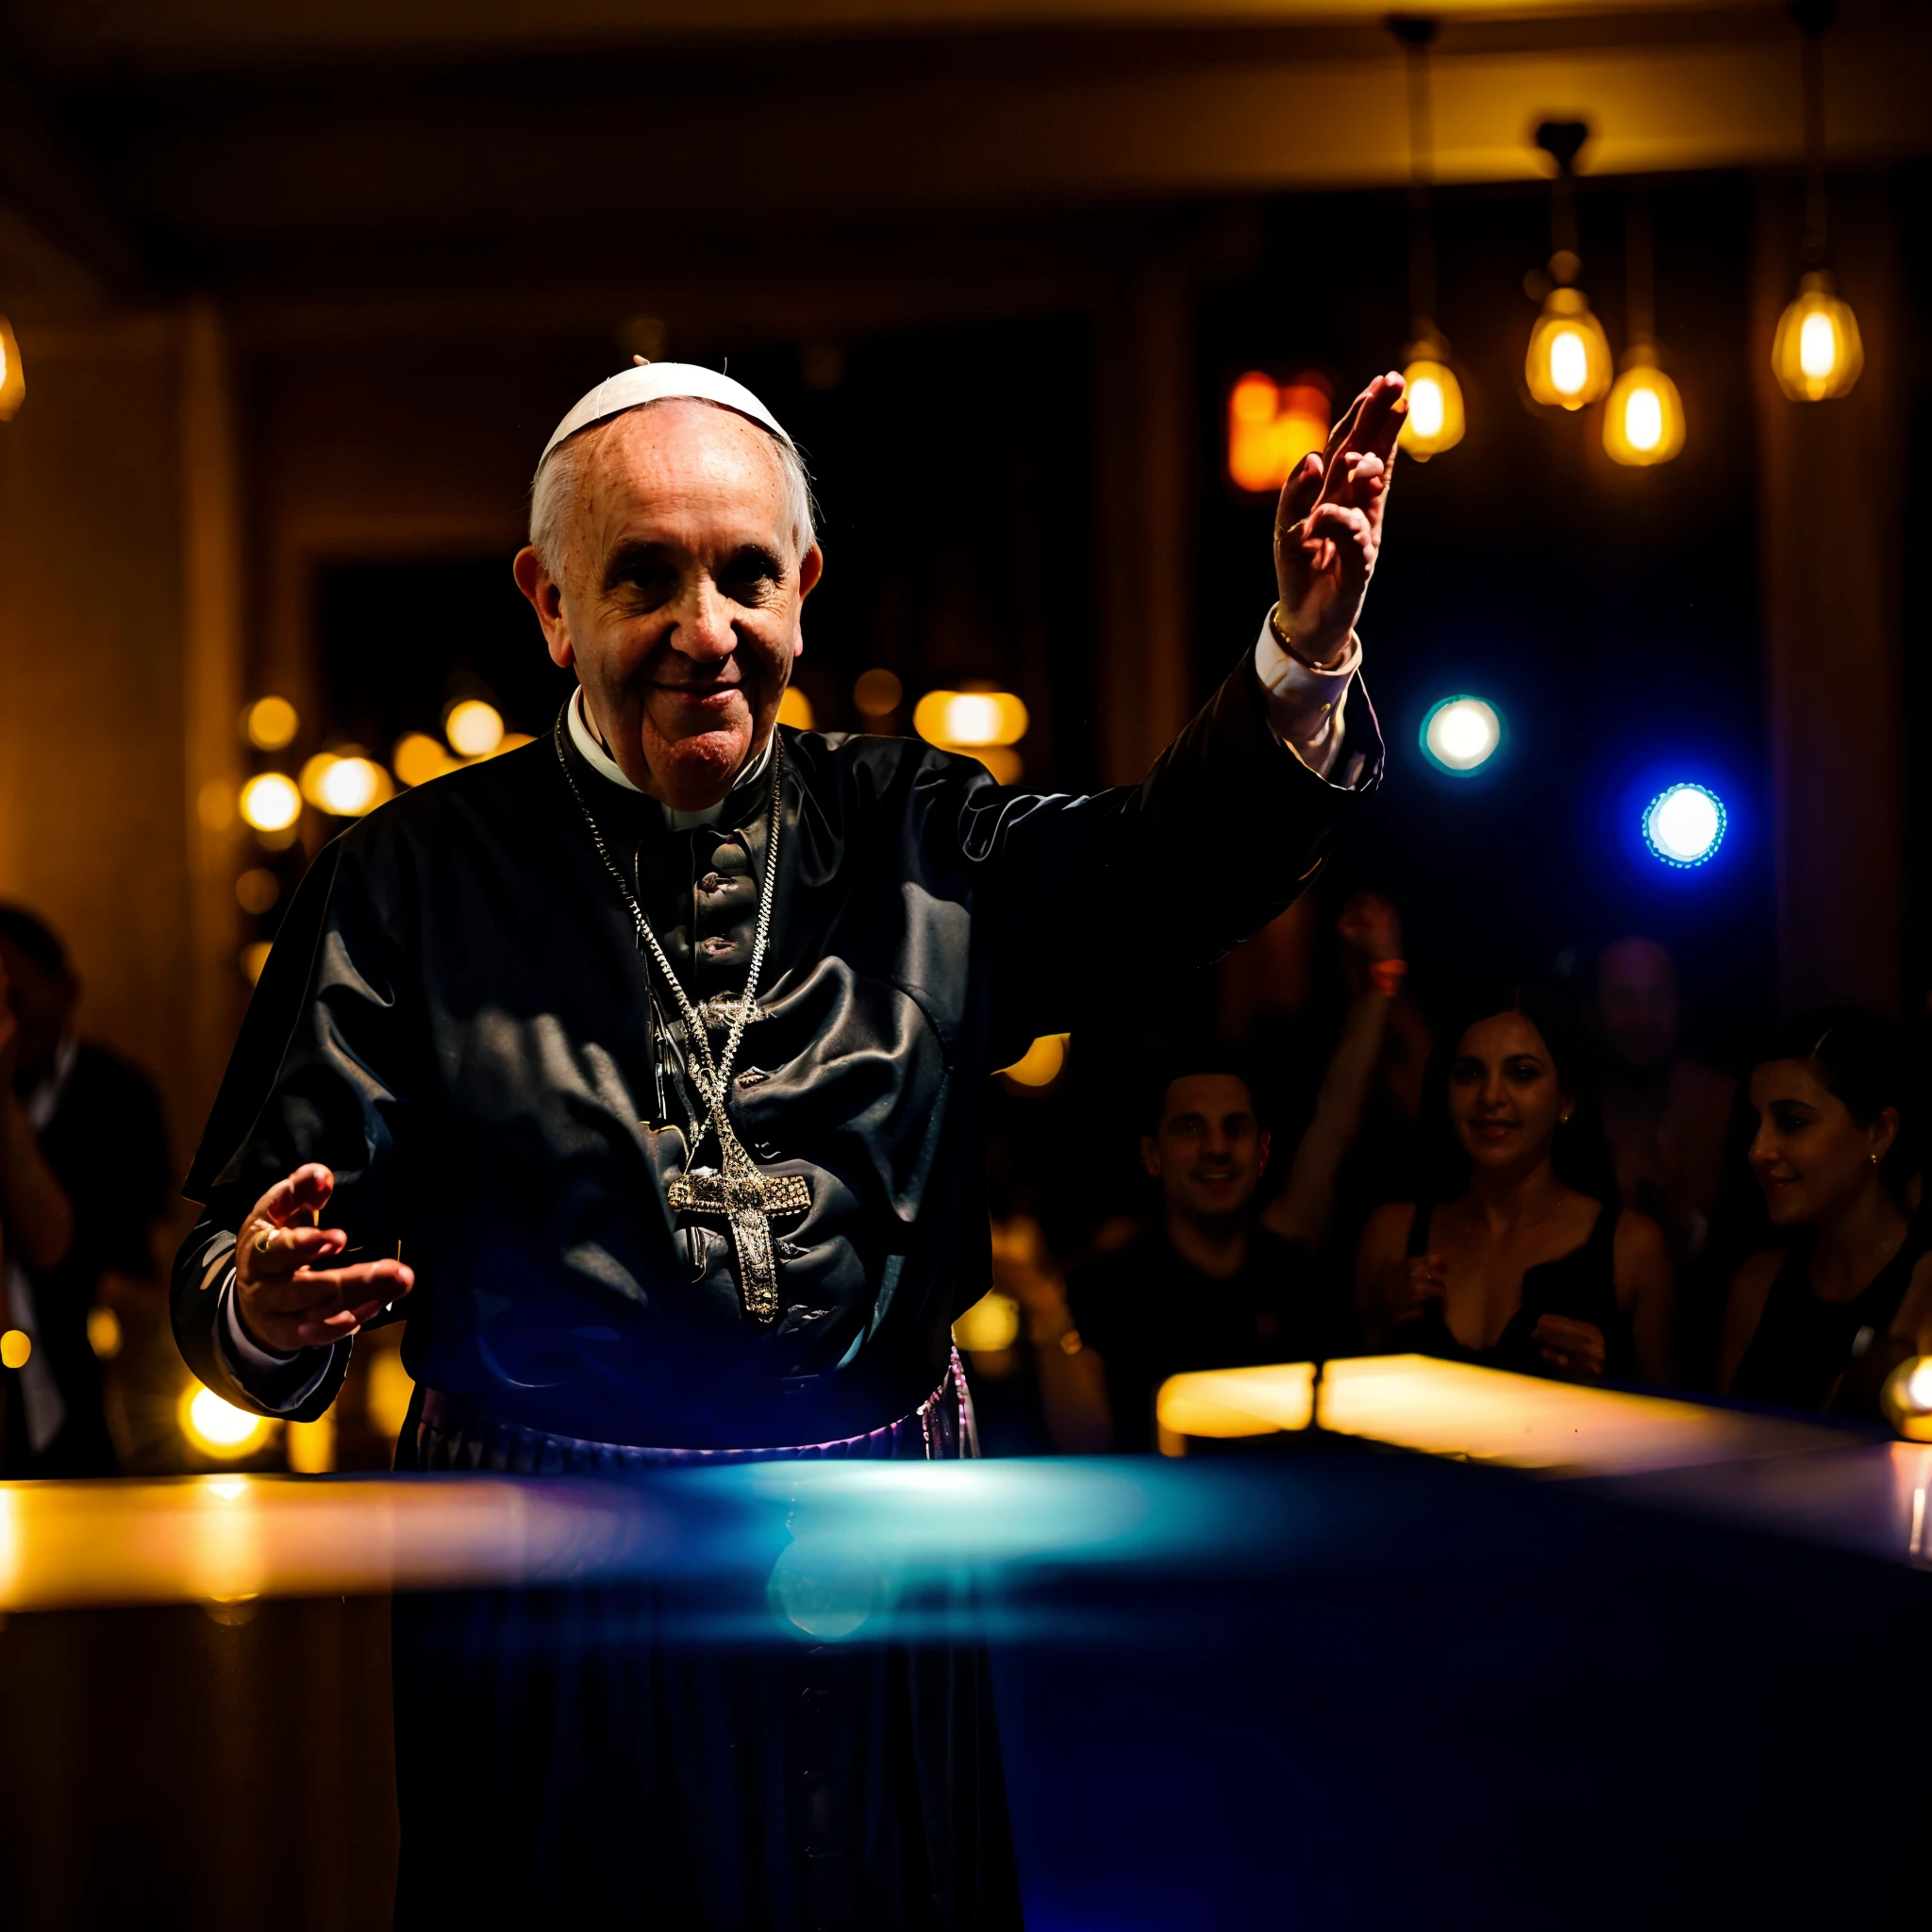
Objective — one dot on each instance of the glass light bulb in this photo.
(1569, 361)
(1425, 407)
(1817, 346)
(1643, 418)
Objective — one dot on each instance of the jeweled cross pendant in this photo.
(748, 1201)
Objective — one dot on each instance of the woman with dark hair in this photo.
(1512, 1263)
(1819, 1321)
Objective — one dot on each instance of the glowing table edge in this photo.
(229, 1540)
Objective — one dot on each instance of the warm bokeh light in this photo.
(15, 1346)
(389, 1392)
(217, 1427)
(13, 374)
(474, 729)
(1040, 1064)
(794, 709)
(253, 957)
(269, 802)
(256, 889)
(1684, 824)
(1569, 360)
(1817, 352)
(514, 740)
(417, 758)
(1461, 733)
(104, 1333)
(1907, 1399)
(1644, 421)
(969, 720)
(271, 723)
(991, 1324)
(877, 694)
(345, 784)
(1271, 427)
(311, 1446)
(1435, 419)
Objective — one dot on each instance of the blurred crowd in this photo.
(1546, 1185)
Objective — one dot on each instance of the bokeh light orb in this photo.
(474, 729)
(1460, 734)
(271, 723)
(217, 1427)
(269, 802)
(349, 787)
(1684, 824)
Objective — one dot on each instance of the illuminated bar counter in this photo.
(1405, 1640)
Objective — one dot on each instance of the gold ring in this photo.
(261, 1241)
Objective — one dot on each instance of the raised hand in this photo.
(1370, 927)
(1329, 526)
(286, 1301)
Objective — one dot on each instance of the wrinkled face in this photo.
(1636, 1003)
(1505, 1096)
(42, 1004)
(1810, 1156)
(1211, 1153)
(680, 596)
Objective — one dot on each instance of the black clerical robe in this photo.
(457, 1018)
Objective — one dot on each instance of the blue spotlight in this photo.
(1460, 734)
(1684, 824)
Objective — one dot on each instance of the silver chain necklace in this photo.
(736, 1192)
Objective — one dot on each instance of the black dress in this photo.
(1580, 1286)
(1815, 1355)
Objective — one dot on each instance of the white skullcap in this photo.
(656, 382)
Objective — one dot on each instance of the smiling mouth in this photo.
(701, 693)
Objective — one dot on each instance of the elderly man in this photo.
(648, 1062)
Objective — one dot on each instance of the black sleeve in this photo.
(1221, 838)
(317, 1074)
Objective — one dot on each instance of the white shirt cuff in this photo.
(1305, 706)
(264, 1373)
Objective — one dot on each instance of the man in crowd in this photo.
(659, 1049)
(1208, 1288)
(84, 1175)
(1665, 1116)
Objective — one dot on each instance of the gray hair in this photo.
(554, 490)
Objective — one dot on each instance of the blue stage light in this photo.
(1461, 734)
(1684, 824)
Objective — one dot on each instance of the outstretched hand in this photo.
(288, 1302)
(1329, 526)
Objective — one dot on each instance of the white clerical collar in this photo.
(605, 766)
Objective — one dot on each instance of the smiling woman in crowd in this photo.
(1819, 1321)
(1523, 1258)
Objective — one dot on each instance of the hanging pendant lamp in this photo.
(1435, 421)
(1817, 352)
(1569, 361)
(1644, 421)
